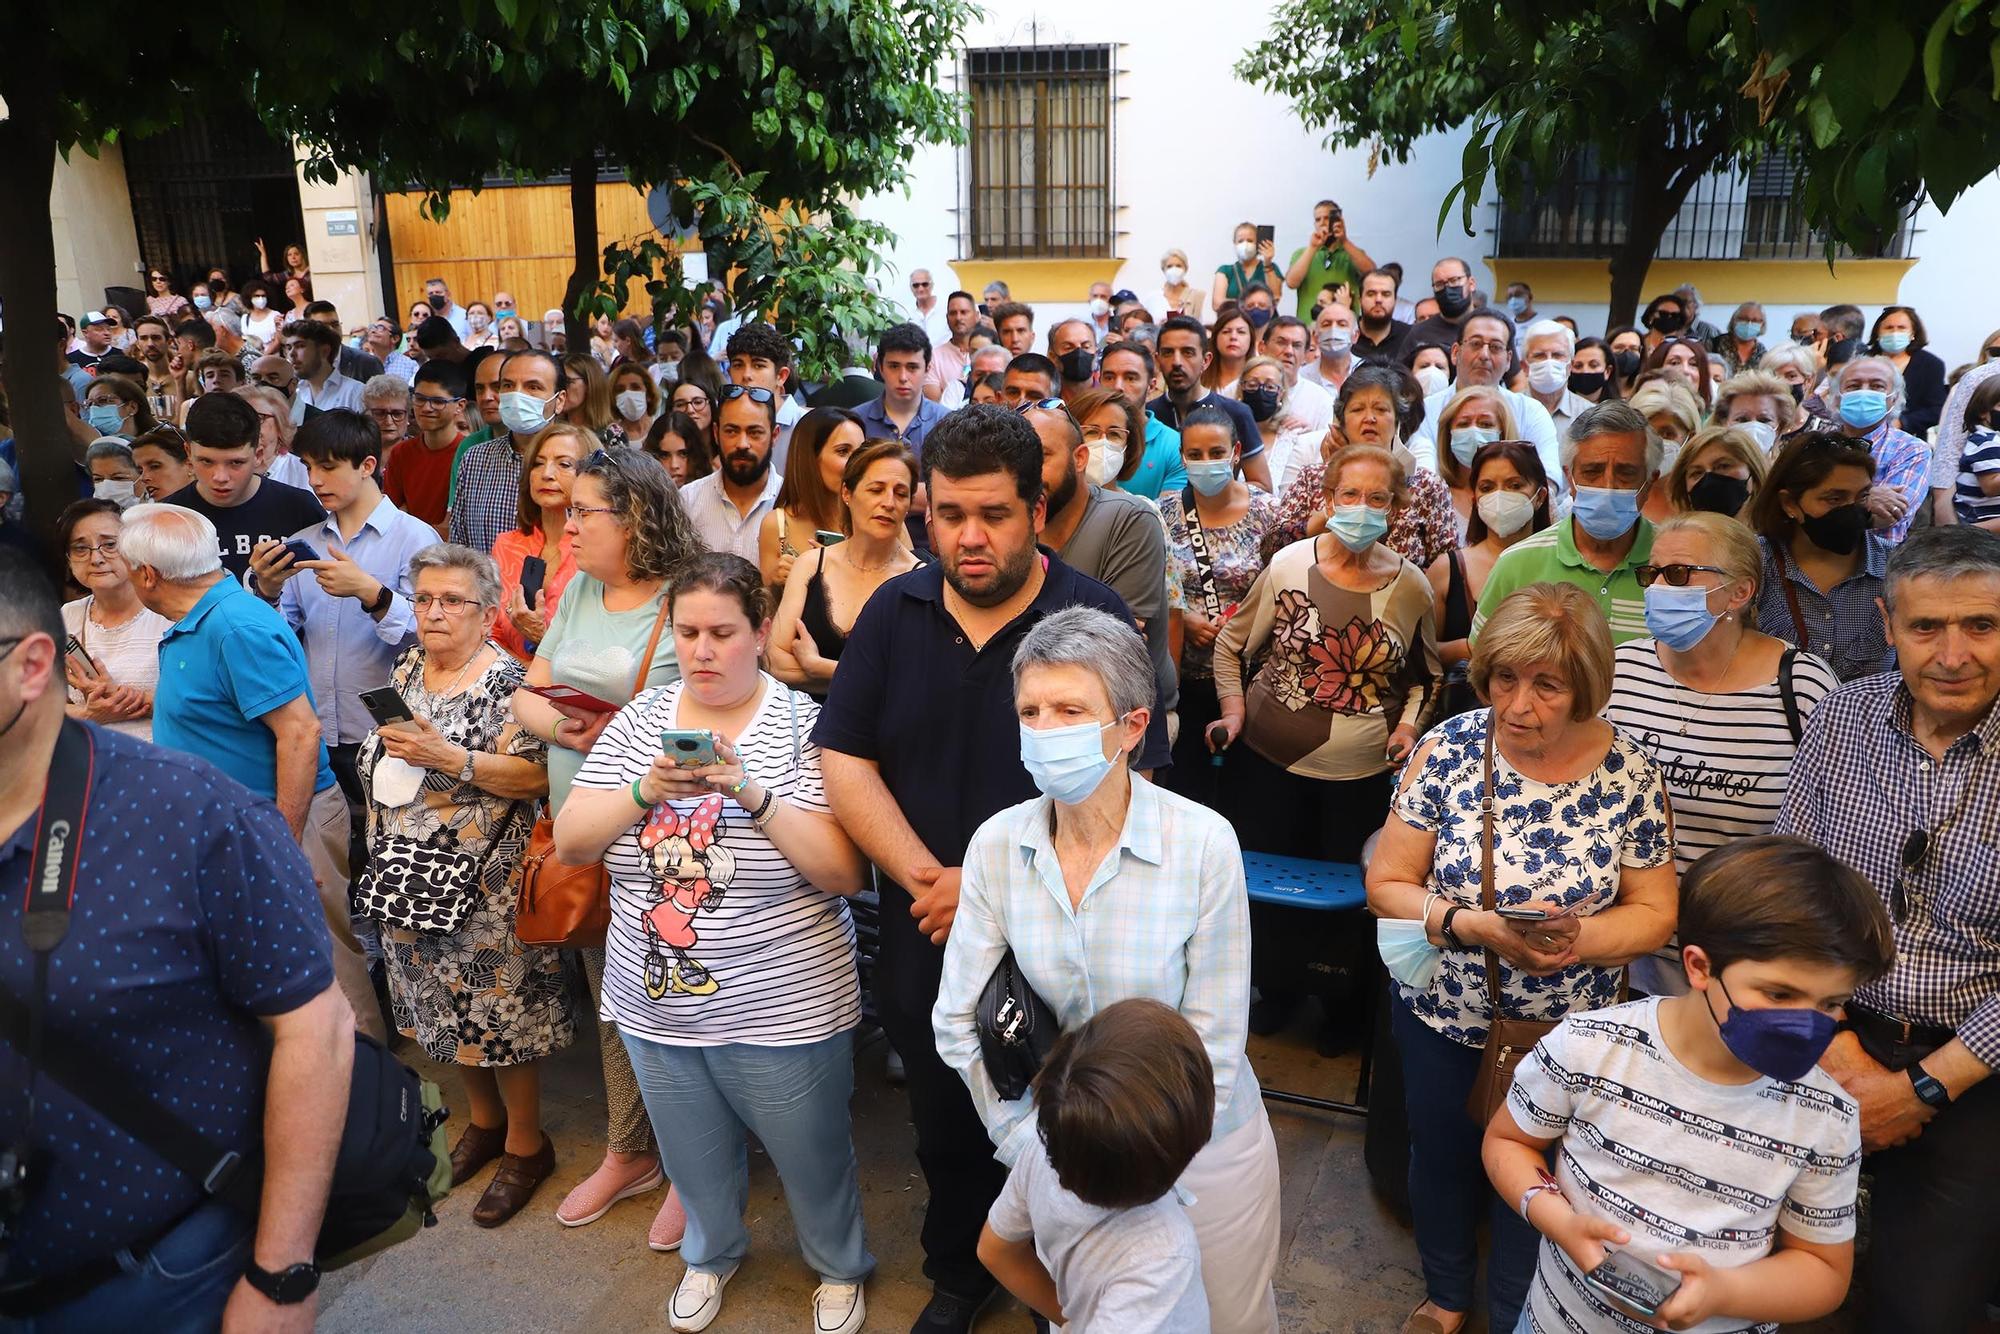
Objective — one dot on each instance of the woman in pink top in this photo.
(546, 476)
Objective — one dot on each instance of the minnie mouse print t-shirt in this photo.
(715, 938)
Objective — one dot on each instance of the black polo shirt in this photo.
(1248, 438)
(913, 695)
(1395, 341)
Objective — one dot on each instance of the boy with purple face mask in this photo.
(1705, 1166)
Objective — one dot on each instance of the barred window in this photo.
(1041, 152)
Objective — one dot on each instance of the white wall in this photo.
(90, 216)
(1950, 286)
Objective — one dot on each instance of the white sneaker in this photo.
(697, 1301)
(838, 1308)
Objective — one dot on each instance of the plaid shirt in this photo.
(1167, 915)
(1843, 625)
(1861, 784)
(486, 498)
(1902, 462)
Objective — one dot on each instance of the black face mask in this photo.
(1453, 301)
(1841, 350)
(1838, 530)
(1076, 365)
(437, 301)
(1262, 400)
(1667, 321)
(1719, 493)
(1587, 382)
(1799, 392)
(1628, 363)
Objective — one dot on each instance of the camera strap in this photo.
(54, 855)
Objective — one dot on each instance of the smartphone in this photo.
(1265, 234)
(1633, 1284)
(300, 551)
(688, 749)
(533, 571)
(827, 538)
(386, 707)
(78, 659)
(1525, 913)
(572, 698)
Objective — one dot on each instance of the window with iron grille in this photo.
(1041, 152)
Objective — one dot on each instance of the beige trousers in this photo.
(325, 844)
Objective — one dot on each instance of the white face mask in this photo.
(476, 320)
(1765, 434)
(1105, 461)
(1433, 379)
(1245, 249)
(1099, 307)
(1174, 274)
(260, 301)
(117, 490)
(631, 404)
(1548, 377)
(1506, 512)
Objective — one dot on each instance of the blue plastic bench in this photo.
(1300, 882)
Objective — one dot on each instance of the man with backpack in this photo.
(166, 996)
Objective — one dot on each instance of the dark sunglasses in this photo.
(1676, 575)
(1992, 352)
(755, 394)
(1044, 405)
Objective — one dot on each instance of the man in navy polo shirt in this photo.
(193, 970)
(233, 690)
(920, 744)
(1184, 354)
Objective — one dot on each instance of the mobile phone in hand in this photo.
(74, 652)
(300, 551)
(1266, 234)
(533, 571)
(689, 749)
(1631, 1283)
(572, 698)
(386, 706)
(826, 537)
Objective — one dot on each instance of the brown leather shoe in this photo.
(476, 1147)
(514, 1181)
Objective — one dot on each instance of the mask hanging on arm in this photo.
(1407, 952)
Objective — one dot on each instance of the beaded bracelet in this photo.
(763, 811)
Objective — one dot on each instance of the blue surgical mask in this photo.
(1358, 526)
(1466, 440)
(1605, 513)
(1678, 617)
(504, 313)
(1892, 343)
(1211, 476)
(524, 414)
(105, 418)
(1782, 1043)
(1067, 763)
(203, 301)
(1517, 306)
(1746, 331)
(1862, 408)
(1407, 951)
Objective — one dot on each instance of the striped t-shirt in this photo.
(1726, 759)
(715, 938)
(1980, 456)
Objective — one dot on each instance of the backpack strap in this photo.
(1788, 696)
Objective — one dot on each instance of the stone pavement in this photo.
(1347, 1264)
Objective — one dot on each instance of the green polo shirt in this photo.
(478, 437)
(1550, 556)
(1328, 266)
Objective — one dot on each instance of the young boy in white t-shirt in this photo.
(1089, 1235)
(1697, 1133)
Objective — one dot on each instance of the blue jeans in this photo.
(1448, 1187)
(180, 1287)
(794, 1099)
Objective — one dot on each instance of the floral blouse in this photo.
(1341, 670)
(1565, 843)
(1235, 558)
(1421, 531)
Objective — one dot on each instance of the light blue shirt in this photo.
(1160, 471)
(1166, 916)
(347, 650)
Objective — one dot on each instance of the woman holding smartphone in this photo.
(627, 530)
(116, 663)
(730, 972)
(547, 474)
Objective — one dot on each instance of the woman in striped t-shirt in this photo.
(1717, 703)
(729, 968)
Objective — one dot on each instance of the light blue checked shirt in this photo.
(1167, 916)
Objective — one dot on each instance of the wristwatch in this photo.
(465, 774)
(382, 601)
(1932, 1093)
(1450, 936)
(289, 1286)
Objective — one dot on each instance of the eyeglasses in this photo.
(451, 604)
(1450, 282)
(389, 414)
(84, 550)
(1352, 495)
(436, 404)
(1116, 435)
(756, 394)
(920, 287)
(1676, 575)
(1493, 345)
(578, 511)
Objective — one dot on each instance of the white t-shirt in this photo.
(1678, 1162)
(1116, 1270)
(712, 917)
(1726, 760)
(129, 652)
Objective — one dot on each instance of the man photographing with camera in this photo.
(164, 966)
(1329, 257)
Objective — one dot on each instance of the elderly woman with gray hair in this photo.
(1105, 888)
(452, 793)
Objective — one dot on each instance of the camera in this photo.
(21, 1171)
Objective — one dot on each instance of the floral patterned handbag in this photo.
(418, 887)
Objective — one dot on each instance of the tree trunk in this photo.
(1659, 187)
(583, 237)
(28, 280)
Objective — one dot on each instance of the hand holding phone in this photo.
(688, 749)
(1632, 1283)
(387, 707)
(79, 661)
(533, 571)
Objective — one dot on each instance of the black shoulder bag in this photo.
(393, 1164)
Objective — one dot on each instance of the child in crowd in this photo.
(1088, 1234)
(1695, 1133)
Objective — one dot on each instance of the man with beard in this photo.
(1073, 348)
(920, 744)
(1452, 290)
(944, 382)
(1185, 352)
(729, 504)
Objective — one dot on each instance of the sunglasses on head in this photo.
(1676, 575)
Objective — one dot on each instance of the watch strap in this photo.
(286, 1287)
(1929, 1090)
(1444, 926)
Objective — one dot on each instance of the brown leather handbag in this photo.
(1508, 1041)
(568, 906)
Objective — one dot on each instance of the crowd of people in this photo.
(1651, 675)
